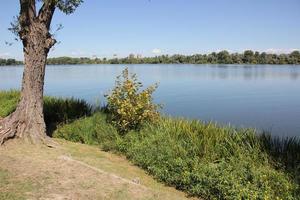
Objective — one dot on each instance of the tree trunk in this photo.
(27, 121)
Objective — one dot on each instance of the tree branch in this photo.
(46, 12)
(28, 10)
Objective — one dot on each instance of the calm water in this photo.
(261, 96)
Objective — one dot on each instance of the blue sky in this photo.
(105, 27)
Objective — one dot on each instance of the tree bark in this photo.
(27, 121)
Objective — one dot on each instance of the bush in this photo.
(128, 107)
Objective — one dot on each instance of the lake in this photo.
(266, 97)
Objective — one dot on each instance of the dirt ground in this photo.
(73, 171)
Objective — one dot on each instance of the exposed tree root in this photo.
(14, 127)
(7, 130)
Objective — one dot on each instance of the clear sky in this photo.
(106, 27)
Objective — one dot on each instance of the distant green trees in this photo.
(222, 57)
(9, 62)
(69, 60)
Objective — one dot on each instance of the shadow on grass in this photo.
(61, 111)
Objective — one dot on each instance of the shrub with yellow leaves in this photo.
(128, 106)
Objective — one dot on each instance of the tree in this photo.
(248, 57)
(263, 58)
(295, 57)
(224, 57)
(33, 29)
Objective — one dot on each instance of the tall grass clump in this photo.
(284, 152)
(61, 111)
(93, 130)
(208, 161)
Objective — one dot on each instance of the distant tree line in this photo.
(222, 57)
(9, 62)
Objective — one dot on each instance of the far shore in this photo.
(223, 57)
